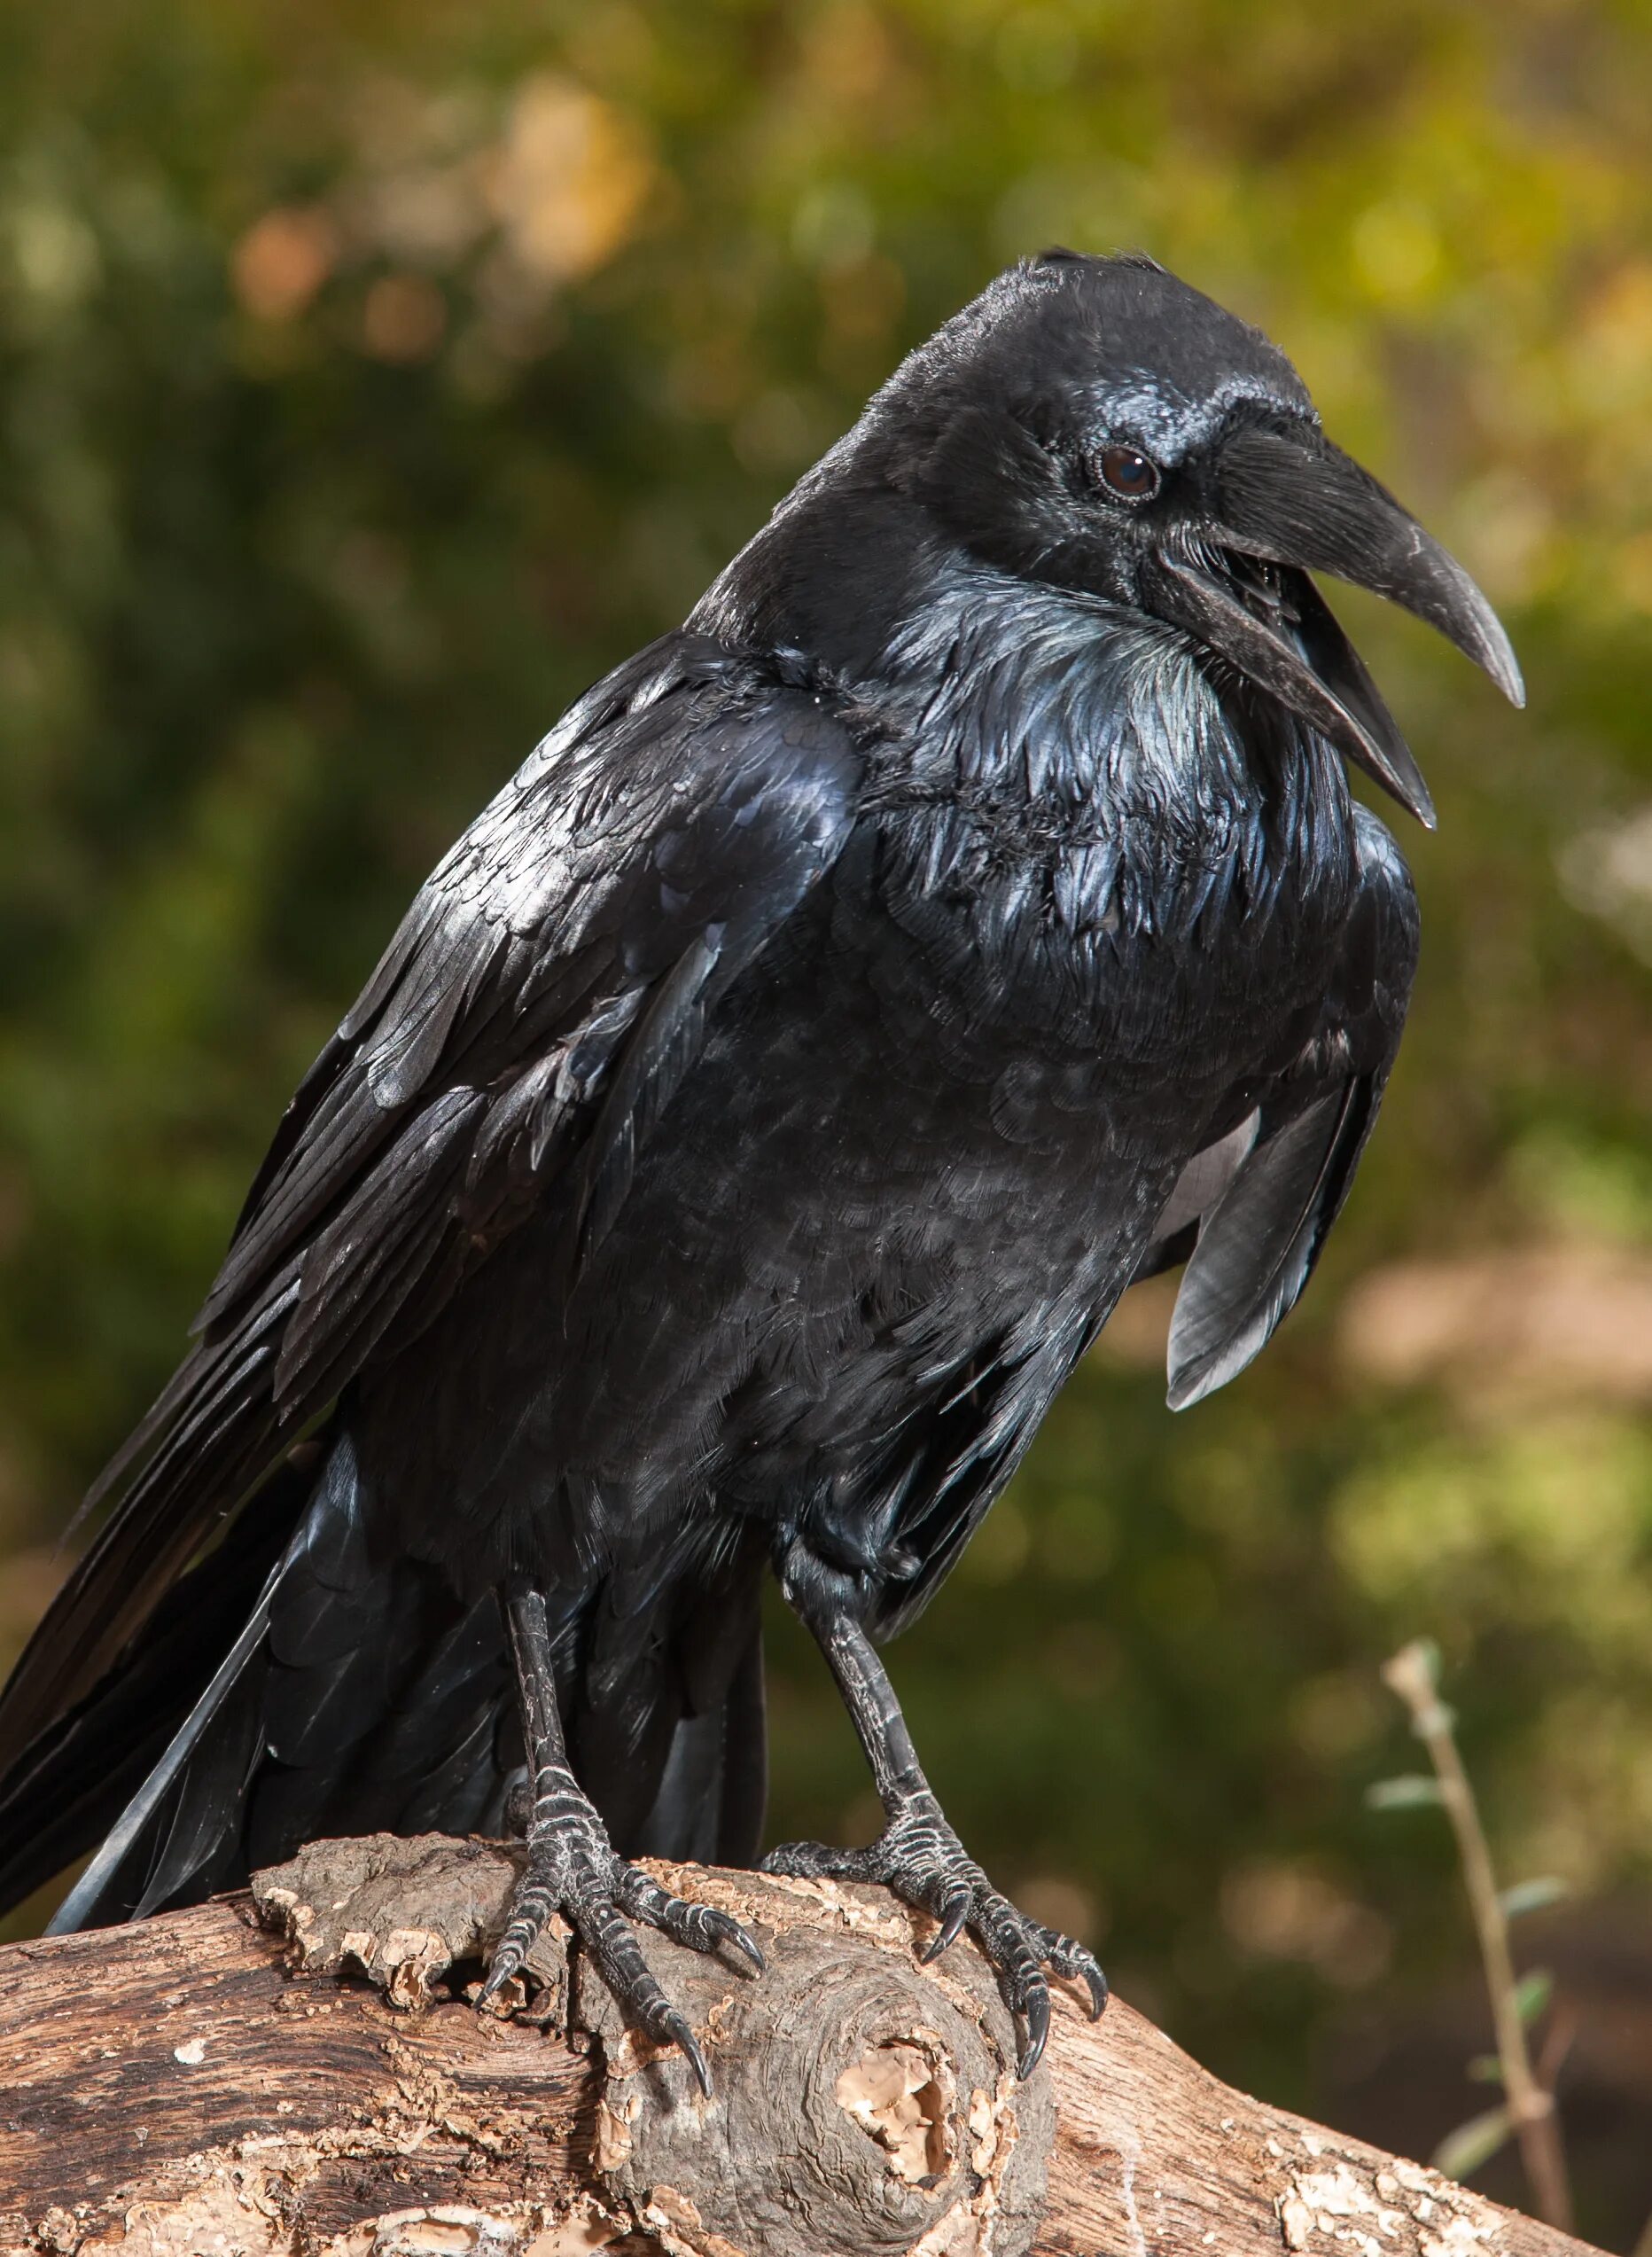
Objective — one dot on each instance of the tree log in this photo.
(199, 2086)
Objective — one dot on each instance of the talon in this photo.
(921, 1858)
(730, 1931)
(507, 1962)
(1077, 1965)
(1035, 2013)
(675, 2026)
(954, 1912)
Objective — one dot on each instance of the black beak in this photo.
(1294, 500)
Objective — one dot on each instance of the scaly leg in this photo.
(917, 1855)
(573, 1868)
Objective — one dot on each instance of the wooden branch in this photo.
(173, 2089)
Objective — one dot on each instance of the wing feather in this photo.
(1260, 1241)
(1264, 1220)
(543, 1000)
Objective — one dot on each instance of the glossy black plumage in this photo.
(763, 1107)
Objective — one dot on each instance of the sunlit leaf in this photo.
(1531, 1994)
(1409, 1792)
(1473, 2144)
(1532, 1896)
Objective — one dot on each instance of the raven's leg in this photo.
(917, 1855)
(572, 1867)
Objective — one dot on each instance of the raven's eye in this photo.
(1127, 473)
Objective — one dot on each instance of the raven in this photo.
(756, 1117)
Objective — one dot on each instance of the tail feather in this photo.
(73, 1779)
(219, 1435)
(282, 1745)
(197, 1851)
(164, 1835)
(665, 1720)
(359, 1693)
(462, 1791)
(709, 1807)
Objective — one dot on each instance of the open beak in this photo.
(1294, 501)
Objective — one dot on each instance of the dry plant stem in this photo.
(1531, 2104)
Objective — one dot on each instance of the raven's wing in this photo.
(1264, 1197)
(542, 999)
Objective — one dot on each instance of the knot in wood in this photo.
(862, 2104)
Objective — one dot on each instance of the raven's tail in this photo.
(355, 1693)
(71, 1781)
(348, 1695)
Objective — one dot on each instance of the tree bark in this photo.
(199, 2086)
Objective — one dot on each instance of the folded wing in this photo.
(1264, 1197)
(544, 998)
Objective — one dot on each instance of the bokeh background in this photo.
(373, 376)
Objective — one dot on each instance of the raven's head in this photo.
(1096, 424)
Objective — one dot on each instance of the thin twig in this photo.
(1531, 2104)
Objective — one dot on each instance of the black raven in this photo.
(756, 1117)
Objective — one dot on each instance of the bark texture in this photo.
(298, 2074)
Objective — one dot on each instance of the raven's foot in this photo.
(572, 1868)
(920, 1858)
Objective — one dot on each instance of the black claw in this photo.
(936, 1876)
(706, 1929)
(1078, 1966)
(677, 2028)
(1036, 2015)
(507, 1962)
(1073, 1962)
(698, 1926)
(954, 1912)
(730, 1931)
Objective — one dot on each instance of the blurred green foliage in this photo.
(372, 378)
